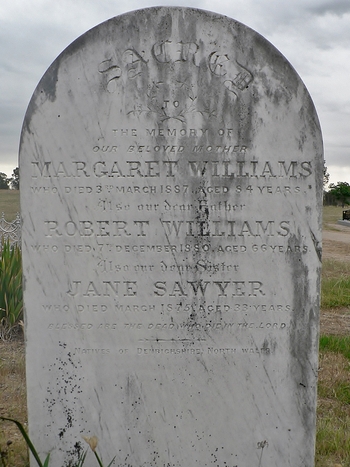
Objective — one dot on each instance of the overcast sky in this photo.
(314, 35)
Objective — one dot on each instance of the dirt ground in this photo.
(336, 242)
(336, 246)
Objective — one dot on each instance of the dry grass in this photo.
(335, 284)
(331, 214)
(12, 402)
(333, 413)
(9, 204)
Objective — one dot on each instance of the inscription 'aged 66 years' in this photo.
(171, 180)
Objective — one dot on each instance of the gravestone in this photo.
(171, 183)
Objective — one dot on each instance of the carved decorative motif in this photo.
(177, 97)
(10, 230)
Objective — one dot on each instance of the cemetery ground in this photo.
(333, 417)
(9, 203)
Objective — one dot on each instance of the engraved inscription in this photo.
(111, 73)
(134, 63)
(171, 51)
(170, 183)
(222, 66)
(170, 168)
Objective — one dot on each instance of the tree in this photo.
(14, 181)
(325, 175)
(341, 192)
(4, 181)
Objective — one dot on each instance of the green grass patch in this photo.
(337, 344)
(339, 391)
(333, 441)
(9, 204)
(342, 392)
(335, 291)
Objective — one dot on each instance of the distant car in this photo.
(346, 215)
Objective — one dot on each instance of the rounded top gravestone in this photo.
(171, 185)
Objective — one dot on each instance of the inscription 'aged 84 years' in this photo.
(171, 180)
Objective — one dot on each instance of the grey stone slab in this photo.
(343, 222)
(171, 186)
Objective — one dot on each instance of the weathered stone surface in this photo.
(171, 182)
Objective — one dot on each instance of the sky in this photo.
(314, 36)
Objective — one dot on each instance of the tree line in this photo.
(7, 183)
(337, 193)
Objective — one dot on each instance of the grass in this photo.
(335, 284)
(331, 214)
(336, 344)
(9, 204)
(333, 412)
(12, 402)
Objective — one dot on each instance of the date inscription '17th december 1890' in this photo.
(171, 181)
